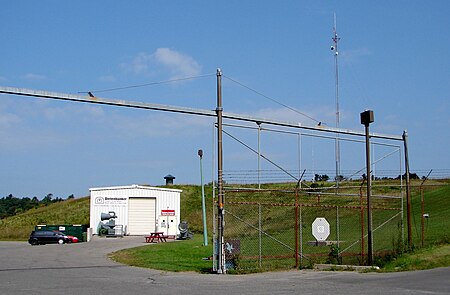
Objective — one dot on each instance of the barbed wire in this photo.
(268, 176)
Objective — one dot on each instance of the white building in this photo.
(140, 209)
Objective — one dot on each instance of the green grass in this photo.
(171, 256)
(73, 211)
(427, 258)
(437, 204)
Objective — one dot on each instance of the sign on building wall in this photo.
(167, 212)
(116, 201)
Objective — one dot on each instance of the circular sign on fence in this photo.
(320, 229)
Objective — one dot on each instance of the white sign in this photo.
(320, 229)
(167, 212)
(117, 201)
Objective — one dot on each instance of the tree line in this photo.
(10, 205)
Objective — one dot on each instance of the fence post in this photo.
(337, 228)
(301, 235)
(220, 206)
(362, 220)
(423, 208)
(408, 190)
(260, 235)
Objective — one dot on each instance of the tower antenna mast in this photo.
(334, 48)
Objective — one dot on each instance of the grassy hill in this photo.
(76, 211)
(18, 227)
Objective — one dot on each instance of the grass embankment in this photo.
(426, 258)
(19, 227)
(175, 256)
(437, 205)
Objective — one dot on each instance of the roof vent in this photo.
(169, 179)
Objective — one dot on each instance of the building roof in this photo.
(136, 186)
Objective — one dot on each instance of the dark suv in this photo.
(47, 237)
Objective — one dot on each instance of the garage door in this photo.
(141, 216)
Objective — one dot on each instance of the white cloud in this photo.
(34, 77)
(179, 64)
(176, 63)
(139, 65)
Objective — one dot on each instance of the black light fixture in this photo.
(367, 117)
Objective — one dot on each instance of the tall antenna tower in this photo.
(334, 48)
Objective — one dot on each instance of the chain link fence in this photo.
(268, 229)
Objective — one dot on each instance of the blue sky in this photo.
(393, 59)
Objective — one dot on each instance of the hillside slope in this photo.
(73, 211)
(76, 211)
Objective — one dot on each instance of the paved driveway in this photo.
(85, 269)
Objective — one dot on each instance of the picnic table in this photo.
(156, 237)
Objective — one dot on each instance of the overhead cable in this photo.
(272, 99)
(147, 84)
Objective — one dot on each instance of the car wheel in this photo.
(34, 242)
(60, 241)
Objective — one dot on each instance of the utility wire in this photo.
(147, 84)
(261, 155)
(272, 99)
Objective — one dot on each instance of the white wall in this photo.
(116, 199)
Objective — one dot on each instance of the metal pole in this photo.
(337, 144)
(337, 227)
(367, 118)
(220, 208)
(296, 231)
(369, 206)
(259, 155)
(403, 197)
(296, 224)
(301, 235)
(422, 223)
(422, 201)
(408, 193)
(183, 110)
(260, 235)
(362, 221)
(205, 230)
(299, 147)
(213, 174)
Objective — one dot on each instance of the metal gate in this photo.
(272, 229)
